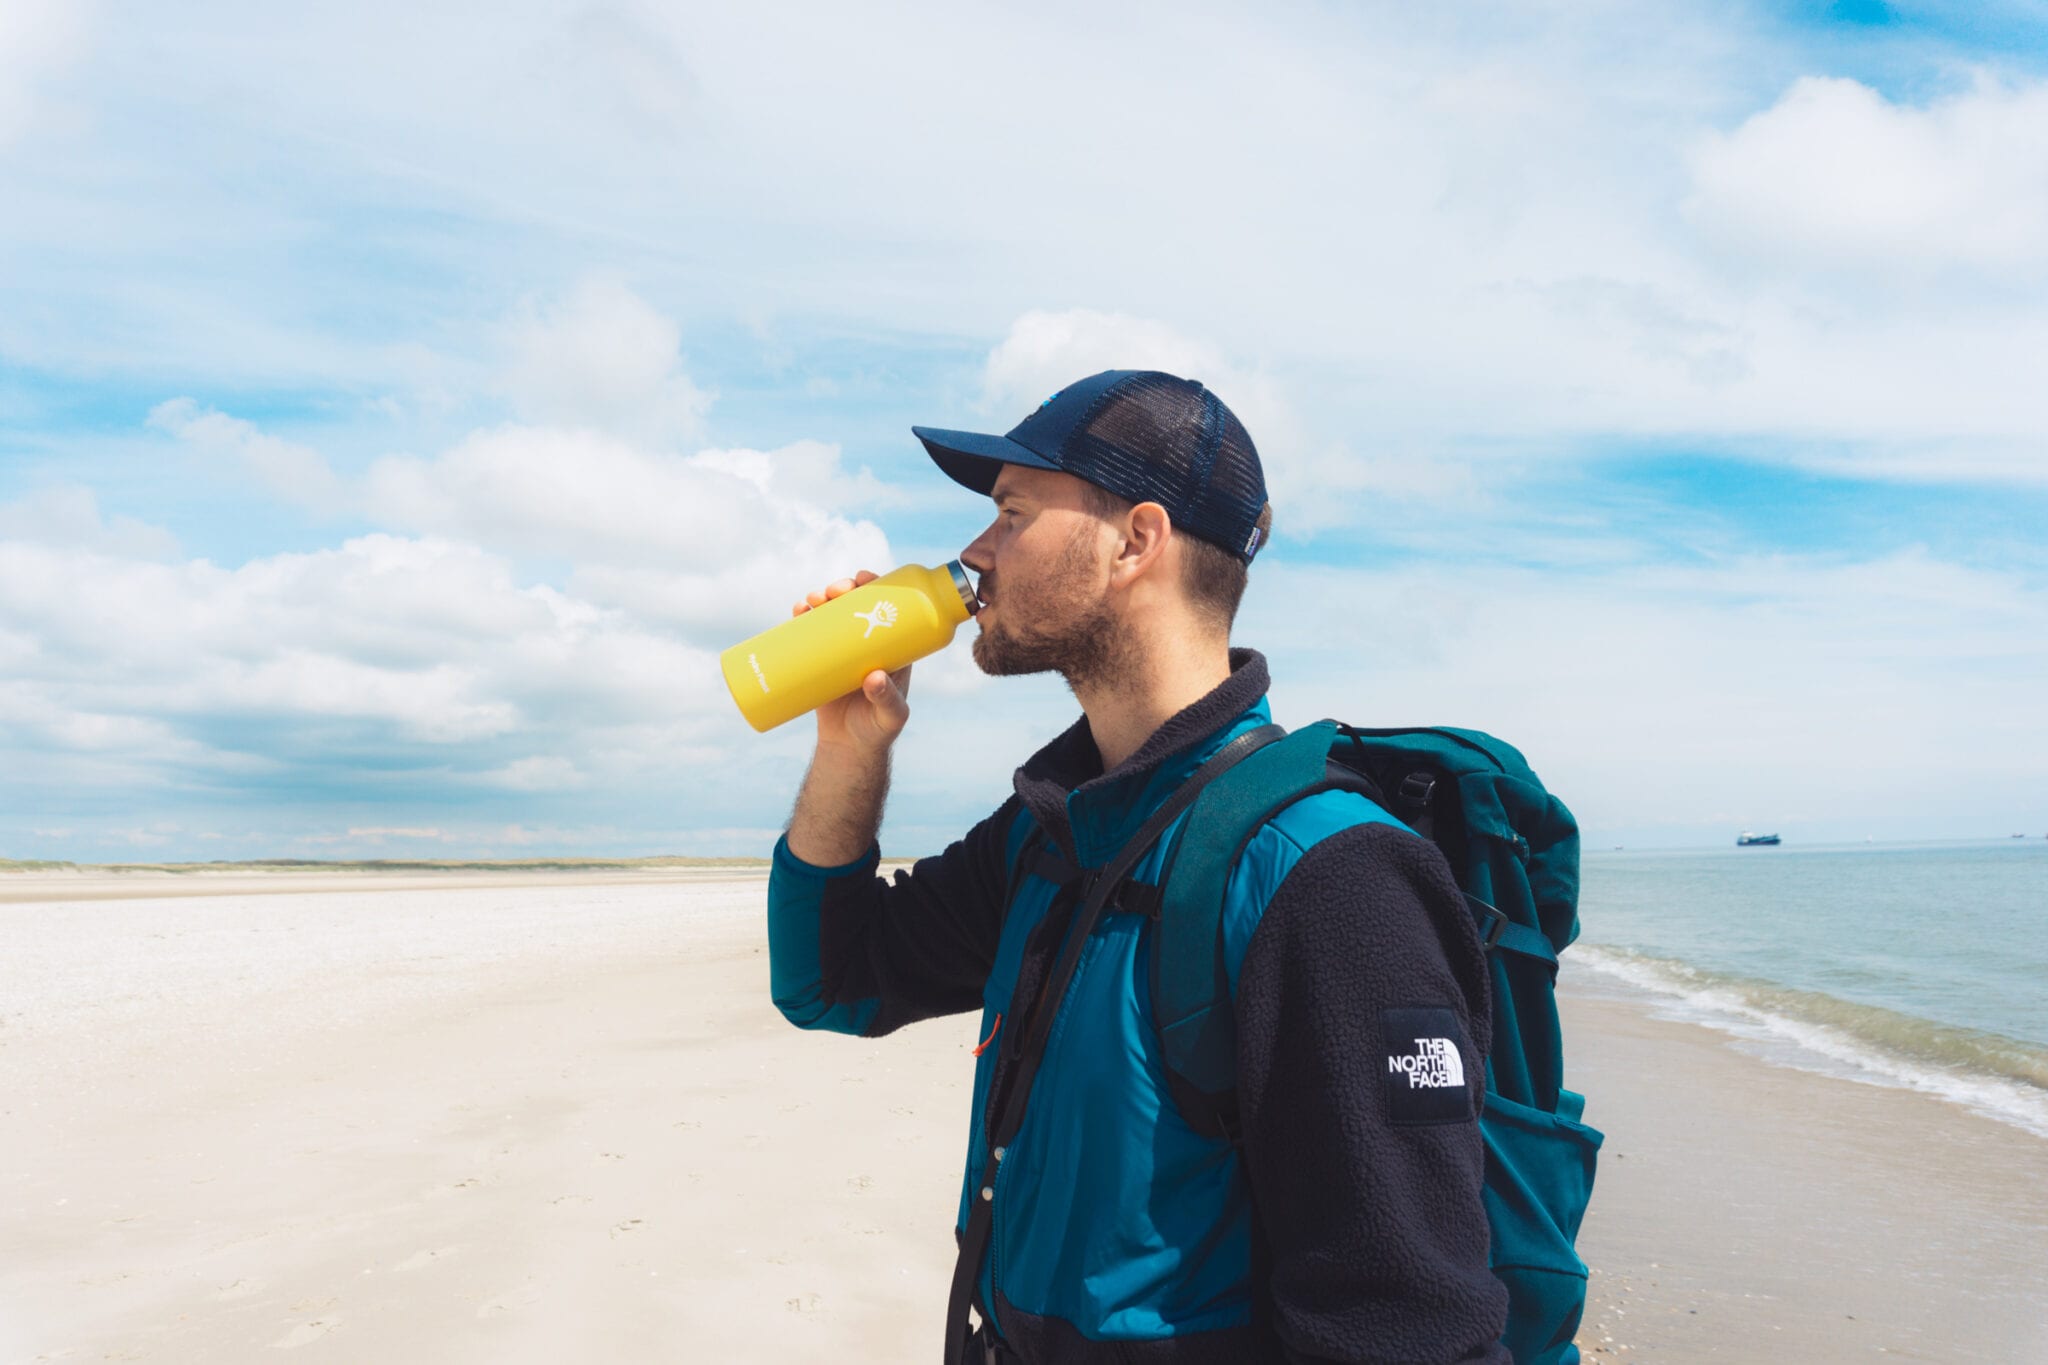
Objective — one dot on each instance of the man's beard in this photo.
(1077, 636)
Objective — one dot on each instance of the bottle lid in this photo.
(964, 586)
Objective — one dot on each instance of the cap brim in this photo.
(973, 459)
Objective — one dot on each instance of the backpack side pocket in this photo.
(1539, 1178)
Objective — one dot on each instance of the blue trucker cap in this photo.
(1140, 434)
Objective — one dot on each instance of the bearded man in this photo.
(1328, 1222)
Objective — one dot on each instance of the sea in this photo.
(1923, 966)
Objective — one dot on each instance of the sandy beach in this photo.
(555, 1118)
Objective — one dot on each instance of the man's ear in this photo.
(1147, 531)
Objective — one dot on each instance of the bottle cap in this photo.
(965, 587)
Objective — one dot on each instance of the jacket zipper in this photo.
(1052, 1039)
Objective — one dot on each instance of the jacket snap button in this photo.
(999, 1152)
(987, 1193)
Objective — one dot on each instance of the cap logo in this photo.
(1251, 546)
(1048, 402)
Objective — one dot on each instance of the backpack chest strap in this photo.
(1130, 896)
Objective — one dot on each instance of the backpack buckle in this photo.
(1492, 923)
(1138, 898)
(1417, 788)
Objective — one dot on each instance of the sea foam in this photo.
(1999, 1077)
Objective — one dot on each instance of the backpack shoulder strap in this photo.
(1096, 888)
(1191, 1003)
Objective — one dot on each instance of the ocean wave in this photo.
(1999, 1077)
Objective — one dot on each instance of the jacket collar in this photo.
(1090, 813)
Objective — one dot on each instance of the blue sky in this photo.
(399, 410)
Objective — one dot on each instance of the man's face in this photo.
(1044, 580)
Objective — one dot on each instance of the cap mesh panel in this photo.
(1166, 440)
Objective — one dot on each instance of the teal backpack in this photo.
(1515, 851)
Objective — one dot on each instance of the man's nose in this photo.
(977, 556)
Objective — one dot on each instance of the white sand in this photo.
(556, 1119)
(533, 1123)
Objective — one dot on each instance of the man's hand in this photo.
(864, 723)
(839, 810)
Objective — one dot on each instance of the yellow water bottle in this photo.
(825, 653)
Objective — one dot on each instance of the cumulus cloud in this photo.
(1834, 175)
(541, 616)
(703, 543)
(1443, 240)
(1440, 238)
(295, 472)
(602, 357)
(1046, 350)
(413, 635)
(70, 516)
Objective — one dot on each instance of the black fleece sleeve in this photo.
(1364, 1023)
(857, 953)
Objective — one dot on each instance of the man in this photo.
(1344, 1222)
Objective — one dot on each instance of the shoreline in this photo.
(561, 1120)
(1996, 1076)
(25, 886)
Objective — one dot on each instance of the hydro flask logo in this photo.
(883, 614)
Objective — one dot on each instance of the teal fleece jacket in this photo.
(1344, 1227)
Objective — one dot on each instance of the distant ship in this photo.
(1748, 840)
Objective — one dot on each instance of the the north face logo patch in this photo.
(1433, 1065)
(1424, 1066)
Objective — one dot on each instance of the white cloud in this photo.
(99, 734)
(438, 652)
(602, 357)
(1437, 237)
(1045, 351)
(705, 544)
(810, 469)
(1834, 175)
(1398, 240)
(132, 643)
(428, 642)
(443, 704)
(70, 516)
(551, 587)
(295, 472)
(396, 832)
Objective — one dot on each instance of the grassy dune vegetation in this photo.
(390, 865)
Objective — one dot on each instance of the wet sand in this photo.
(546, 1118)
(1745, 1211)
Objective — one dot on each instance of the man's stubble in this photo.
(1073, 631)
